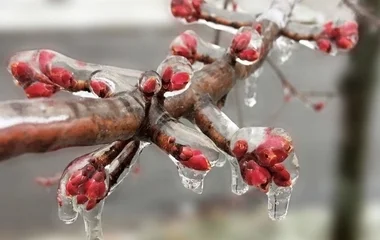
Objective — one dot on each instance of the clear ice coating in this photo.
(119, 161)
(246, 46)
(238, 186)
(115, 81)
(250, 88)
(187, 136)
(150, 82)
(282, 49)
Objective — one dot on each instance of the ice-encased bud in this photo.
(191, 46)
(246, 46)
(267, 160)
(176, 73)
(336, 36)
(81, 187)
(250, 88)
(150, 83)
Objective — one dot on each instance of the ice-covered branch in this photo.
(43, 125)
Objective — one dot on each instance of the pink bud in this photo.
(95, 190)
(344, 43)
(181, 8)
(91, 204)
(240, 148)
(241, 41)
(81, 199)
(198, 162)
(100, 88)
(149, 86)
(44, 60)
(167, 74)
(61, 77)
(181, 51)
(22, 72)
(39, 89)
(249, 55)
(190, 41)
(71, 190)
(324, 45)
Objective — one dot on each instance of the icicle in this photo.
(190, 178)
(282, 50)
(278, 202)
(92, 222)
(238, 186)
(250, 88)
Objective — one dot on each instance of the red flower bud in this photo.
(275, 149)
(61, 77)
(249, 55)
(179, 81)
(91, 204)
(349, 29)
(318, 106)
(100, 88)
(77, 178)
(240, 148)
(95, 190)
(181, 8)
(44, 60)
(167, 74)
(149, 86)
(186, 153)
(241, 41)
(39, 89)
(255, 175)
(197, 162)
(190, 41)
(71, 189)
(324, 45)
(344, 43)
(181, 51)
(22, 72)
(81, 199)
(281, 176)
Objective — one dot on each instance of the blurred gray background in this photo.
(28, 211)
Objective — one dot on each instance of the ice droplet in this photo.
(190, 179)
(250, 88)
(283, 49)
(66, 211)
(238, 186)
(93, 222)
(278, 201)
